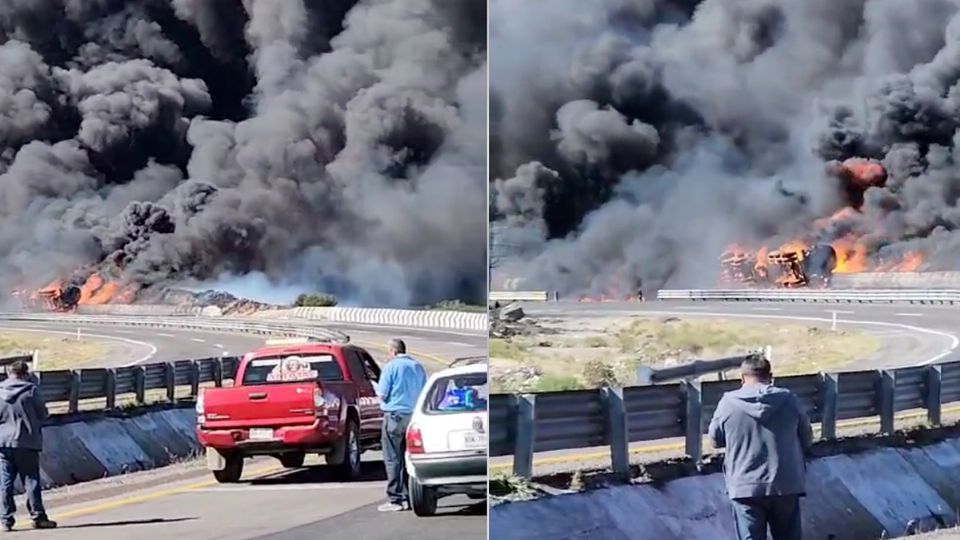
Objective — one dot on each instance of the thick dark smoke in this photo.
(334, 145)
(634, 140)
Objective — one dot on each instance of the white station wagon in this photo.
(447, 437)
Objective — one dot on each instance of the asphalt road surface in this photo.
(183, 501)
(911, 335)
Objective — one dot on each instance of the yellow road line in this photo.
(109, 505)
(556, 460)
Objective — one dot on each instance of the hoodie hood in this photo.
(11, 389)
(760, 401)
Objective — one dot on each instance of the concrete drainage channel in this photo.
(871, 489)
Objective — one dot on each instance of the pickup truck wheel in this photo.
(346, 458)
(422, 498)
(232, 472)
(293, 460)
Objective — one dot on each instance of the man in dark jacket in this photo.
(22, 413)
(767, 435)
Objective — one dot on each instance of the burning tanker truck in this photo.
(803, 263)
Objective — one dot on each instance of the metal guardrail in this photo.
(696, 368)
(520, 296)
(524, 424)
(863, 296)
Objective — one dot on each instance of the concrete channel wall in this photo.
(880, 493)
(84, 447)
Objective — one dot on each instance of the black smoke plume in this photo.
(330, 145)
(632, 140)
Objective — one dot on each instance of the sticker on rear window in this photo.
(292, 368)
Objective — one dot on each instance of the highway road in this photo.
(910, 334)
(183, 501)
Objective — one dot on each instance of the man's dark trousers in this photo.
(394, 447)
(24, 463)
(754, 514)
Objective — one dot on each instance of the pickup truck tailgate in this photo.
(264, 405)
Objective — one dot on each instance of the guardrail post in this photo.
(617, 429)
(829, 388)
(218, 372)
(170, 376)
(194, 378)
(526, 435)
(73, 402)
(693, 422)
(932, 395)
(887, 402)
(140, 384)
(110, 388)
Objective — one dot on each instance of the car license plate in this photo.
(474, 440)
(261, 434)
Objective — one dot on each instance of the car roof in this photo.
(461, 370)
(299, 348)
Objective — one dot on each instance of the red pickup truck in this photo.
(290, 400)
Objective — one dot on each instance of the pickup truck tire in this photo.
(293, 460)
(345, 457)
(232, 472)
(422, 498)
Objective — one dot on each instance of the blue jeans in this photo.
(754, 515)
(394, 446)
(24, 463)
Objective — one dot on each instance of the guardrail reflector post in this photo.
(693, 421)
(617, 429)
(218, 372)
(110, 388)
(74, 399)
(526, 435)
(170, 374)
(932, 395)
(140, 384)
(194, 378)
(829, 386)
(887, 402)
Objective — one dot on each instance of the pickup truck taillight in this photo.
(319, 401)
(414, 440)
(200, 414)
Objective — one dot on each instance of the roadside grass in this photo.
(570, 358)
(457, 305)
(56, 351)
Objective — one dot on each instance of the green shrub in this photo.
(316, 300)
(597, 373)
(557, 383)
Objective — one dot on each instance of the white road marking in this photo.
(954, 341)
(766, 309)
(165, 335)
(457, 343)
(150, 346)
(217, 345)
(909, 314)
(838, 312)
(198, 340)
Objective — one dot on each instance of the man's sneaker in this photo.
(390, 507)
(44, 524)
(7, 527)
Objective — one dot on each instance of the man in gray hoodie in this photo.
(22, 413)
(767, 435)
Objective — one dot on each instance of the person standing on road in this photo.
(401, 382)
(767, 435)
(22, 413)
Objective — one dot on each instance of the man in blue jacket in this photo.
(401, 382)
(767, 435)
(22, 413)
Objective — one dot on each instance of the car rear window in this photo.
(292, 368)
(458, 393)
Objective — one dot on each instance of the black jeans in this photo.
(781, 514)
(394, 447)
(24, 463)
